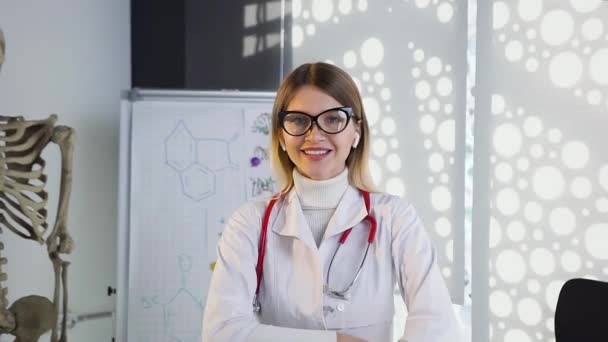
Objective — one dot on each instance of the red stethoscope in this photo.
(344, 294)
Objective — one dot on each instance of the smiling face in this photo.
(316, 154)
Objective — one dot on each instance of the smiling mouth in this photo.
(316, 152)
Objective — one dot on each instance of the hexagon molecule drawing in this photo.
(197, 160)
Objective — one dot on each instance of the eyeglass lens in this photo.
(333, 121)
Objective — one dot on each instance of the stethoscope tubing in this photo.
(259, 269)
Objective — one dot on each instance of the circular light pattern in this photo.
(529, 311)
(322, 10)
(570, 261)
(601, 204)
(592, 29)
(598, 66)
(362, 5)
(436, 162)
(542, 261)
(554, 135)
(533, 126)
(434, 105)
(350, 59)
(345, 6)
(507, 201)
(446, 135)
(537, 151)
(444, 86)
(566, 69)
(445, 12)
(296, 8)
(562, 221)
(532, 64)
(427, 124)
(501, 304)
(585, 6)
(395, 186)
(548, 182)
(379, 147)
(448, 108)
(523, 164)
(594, 97)
(510, 266)
(441, 198)
(575, 154)
(418, 55)
(372, 110)
(516, 231)
(310, 29)
(552, 293)
(533, 212)
(603, 177)
(580, 187)
(385, 94)
(379, 77)
(498, 104)
(422, 90)
(372, 52)
(443, 227)
(433, 66)
(514, 50)
(596, 237)
(503, 172)
(297, 36)
(375, 171)
(501, 14)
(422, 3)
(393, 162)
(556, 27)
(529, 9)
(495, 233)
(507, 140)
(388, 126)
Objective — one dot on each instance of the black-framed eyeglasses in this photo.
(331, 121)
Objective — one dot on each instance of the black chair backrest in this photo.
(581, 314)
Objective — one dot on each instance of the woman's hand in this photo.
(349, 338)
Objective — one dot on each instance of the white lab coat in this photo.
(291, 293)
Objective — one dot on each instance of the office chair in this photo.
(581, 314)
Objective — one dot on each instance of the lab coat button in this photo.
(340, 307)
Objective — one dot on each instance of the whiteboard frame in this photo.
(128, 98)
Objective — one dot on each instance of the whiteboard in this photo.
(187, 161)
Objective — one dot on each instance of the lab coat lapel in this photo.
(350, 211)
(291, 221)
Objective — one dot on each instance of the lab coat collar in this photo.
(292, 222)
(350, 211)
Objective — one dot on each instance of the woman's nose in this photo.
(315, 133)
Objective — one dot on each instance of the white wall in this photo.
(72, 58)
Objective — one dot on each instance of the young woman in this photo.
(290, 268)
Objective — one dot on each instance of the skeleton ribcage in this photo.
(22, 180)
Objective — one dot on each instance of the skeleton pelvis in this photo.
(34, 316)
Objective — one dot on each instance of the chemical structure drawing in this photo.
(197, 160)
(183, 311)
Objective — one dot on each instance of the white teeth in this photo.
(315, 152)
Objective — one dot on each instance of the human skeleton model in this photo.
(22, 211)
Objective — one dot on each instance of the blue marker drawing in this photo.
(197, 161)
(183, 311)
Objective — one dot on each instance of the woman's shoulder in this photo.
(393, 201)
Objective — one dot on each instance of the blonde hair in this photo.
(338, 84)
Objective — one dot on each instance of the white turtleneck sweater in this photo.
(319, 199)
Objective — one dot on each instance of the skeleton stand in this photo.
(23, 211)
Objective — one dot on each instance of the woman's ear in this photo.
(282, 143)
(357, 137)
